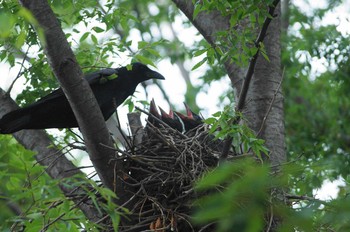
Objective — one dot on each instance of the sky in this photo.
(175, 86)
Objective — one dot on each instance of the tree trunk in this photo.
(265, 90)
(69, 75)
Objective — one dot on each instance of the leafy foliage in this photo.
(317, 97)
(244, 139)
(242, 199)
(31, 194)
(238, 43)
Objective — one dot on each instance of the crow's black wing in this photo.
(53, 95)
(93, 79)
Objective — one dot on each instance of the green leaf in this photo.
(34, 215)
(145, 60)
(124, 23)
(98, 29)
(217, 114)
(263, 53)
(27, 15)
(197, 9)
(142, 44)
(21, 38)
(112, 77)
(153, 52)
(7, 22)
(131, 106)
(233, 20)
(199, 64)
(199, 52)
(215, 177)
(253, 51)
(94, 39)
(210, 121)
(84, 36)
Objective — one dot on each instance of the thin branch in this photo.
(305, 198)
(20, 73)
(123, 139)
(45, 227)
(271, 216)
(115, 28)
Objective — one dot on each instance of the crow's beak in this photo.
(183, 117)
(163, 113)
(155, 75)
(171, 114)
(188, 111)
(153, 109)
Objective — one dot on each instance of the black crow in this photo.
(191, 120)
(110, 87)
(153, 110)
(172, 119)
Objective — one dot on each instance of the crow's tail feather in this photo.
(13, 121)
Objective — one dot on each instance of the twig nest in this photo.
(161, 172)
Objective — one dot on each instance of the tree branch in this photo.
(305, 198)
(70, 77)
(20, 71)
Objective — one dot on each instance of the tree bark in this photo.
(285, 15)
(264, 90)
(70, 77)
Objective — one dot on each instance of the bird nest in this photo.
(160, 172)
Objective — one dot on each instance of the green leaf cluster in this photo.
(316, 101)
(27, 187)
(223, 124)
(237, 44)
(238, 199)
